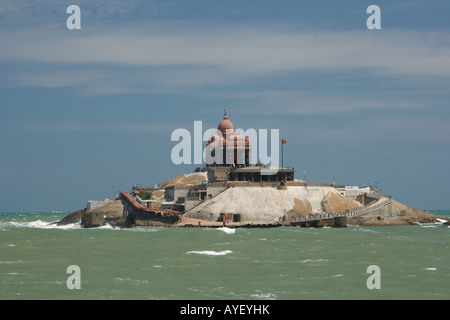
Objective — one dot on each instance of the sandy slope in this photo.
(256, 203)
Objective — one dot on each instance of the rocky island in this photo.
(235, 193)
(248, 205)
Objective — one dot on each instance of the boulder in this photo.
(186, 179)
(74, 217)
(302, 208)
(399, 214)
(336, 202)
(111, 213)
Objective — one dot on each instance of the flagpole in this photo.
(282, 185)
(282, 166)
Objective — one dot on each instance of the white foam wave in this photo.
(437, 224)
(106, 226)
(227, 230)
(211, 253)
(313, 260)
(10, 262)
(143, 229)
(264, 296)
(431, 269)
(39, 224)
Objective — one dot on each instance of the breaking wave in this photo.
(39, 224)
(227, 230)
(211, 253)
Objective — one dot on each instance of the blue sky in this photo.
(87, 113)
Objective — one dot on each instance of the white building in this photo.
(352, 192)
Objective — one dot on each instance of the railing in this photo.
(218, 184)
(261, 184)
(191, 198)
(349, 213)
(313, 184)
(140, 209)
(207, 198)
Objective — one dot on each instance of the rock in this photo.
(111, 213)
(74, 217)
(335, 202)
(301, 208)
(399, 214)
(186, 179)
(375, 222)
(410, 215)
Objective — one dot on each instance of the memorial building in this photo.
(228, 158)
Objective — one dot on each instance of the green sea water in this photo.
(281, 263)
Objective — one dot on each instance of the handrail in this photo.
(353, 212)
(133, 202)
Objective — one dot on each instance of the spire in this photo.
(225, 124)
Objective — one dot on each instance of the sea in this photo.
(41, 261)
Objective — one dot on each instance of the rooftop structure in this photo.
(235, 149)
(235, 162)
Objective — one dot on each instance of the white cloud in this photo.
(181, 58)
(20, 128)
(241, 51)
(304, 102)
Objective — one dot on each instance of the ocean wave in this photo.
(106, 226)
(227, 230)
(211, 253)
(438, 224)
(313, 260)
(264, 296)
(39, 224)
(144, 229)
(268, 261)
(11, 262)
(364, 229)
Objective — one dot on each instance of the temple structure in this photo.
(228, 158)
(228, 148)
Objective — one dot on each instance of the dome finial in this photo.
(225, 124)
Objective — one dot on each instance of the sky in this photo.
(87, 113)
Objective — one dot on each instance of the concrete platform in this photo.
(192, 222)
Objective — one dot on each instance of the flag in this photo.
(283, 141)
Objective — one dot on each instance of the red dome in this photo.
(225, 125)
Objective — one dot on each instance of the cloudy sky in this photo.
(87, 113)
